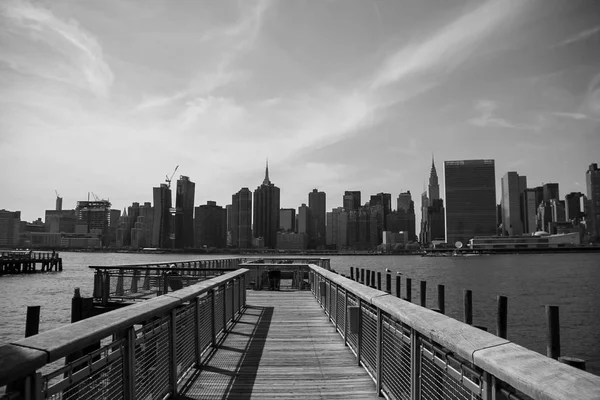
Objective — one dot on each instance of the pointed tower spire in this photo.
(267, 181)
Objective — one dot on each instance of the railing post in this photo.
(129, 365)
(197, 320)
(337, 288)
(415, 365)
(213, 325)
(105, 288)
(379, 351)
(346, 317)
(232, 300)
(173, 351)
(165, 283)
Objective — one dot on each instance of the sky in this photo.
(108, 97)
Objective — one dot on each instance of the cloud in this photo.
(487, 118)
(579, 37)
(41, 44)
(447, 49)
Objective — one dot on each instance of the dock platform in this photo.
(282, 347)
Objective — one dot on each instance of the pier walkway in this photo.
(282, 347)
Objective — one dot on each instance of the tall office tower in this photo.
(434, 187)
(406, 214)
(544, 216)
(184, 217)
(58, 203)
(10, 222)
(304, 218)
(351, 200)
(436, 221)
(95, 217)
(241, 219)
(574, 206)
(470, 199)
(123, 234)
(592, 180)
(161, 218)
(385, 201)
(550, 191)
(337, 226)
(287, 219)
(210, 226)
(133, 212)
(531, 199)
(266, 211)
(513, 187)
(423, 236)
(316, 203)
(141, 233)
(558, 210)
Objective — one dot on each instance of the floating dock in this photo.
(29, 262)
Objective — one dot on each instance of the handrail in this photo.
(437, 336)
(164, 264)
(21, 359)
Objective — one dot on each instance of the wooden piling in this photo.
(373, 279)
(423, 293)
(362, 276)
(408, 289)
(378, 280)
(468, 307)
(368, 283)
(352, 273)
(441, 297)
(32, 323)
(388, 283)
(398, 286)
(502, 317)
(552, 332)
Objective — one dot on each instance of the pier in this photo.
(27, 262)
(228, 338)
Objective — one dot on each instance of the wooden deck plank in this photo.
(283, 347)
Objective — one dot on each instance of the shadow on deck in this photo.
(282, 347)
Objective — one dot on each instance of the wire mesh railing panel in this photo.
(341, 309)
(443, 377)
(152, 360)
(205, 322)
(395, 363)
(185, 333)
(352, 337)
(332, 303)
(228, 294)
(98, 375)
(369, 337)
(219, 293)
(236, 295)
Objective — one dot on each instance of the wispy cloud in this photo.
(580, 36)
(487, 118)
(68, 53)
(448, 48)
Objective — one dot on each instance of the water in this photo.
(570, 281)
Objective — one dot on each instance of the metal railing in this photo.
(143, 281)
(137, 352)
(415, 353)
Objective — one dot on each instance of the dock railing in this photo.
(414, 353)
(136, 352)
(140, 281)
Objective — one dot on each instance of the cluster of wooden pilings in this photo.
(28, 262)
(373, 280)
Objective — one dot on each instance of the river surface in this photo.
(530, 281)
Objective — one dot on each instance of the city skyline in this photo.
(109, 97)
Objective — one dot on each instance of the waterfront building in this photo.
(385, 201)
(574, 207)
(241, 219)
(317, 205)
(184, 214)
(393, 241)
(365, 227)
(60, 221)
(550, 191)
(10, 222)
(544, 217)
(337, 227)
(210, 226)
(513, 185)
(470, 199)
(266, 211)
(303, 219)
(540, 240)
(292, 241)
(532, 197)
(351, 200)
(93, 217)
(592, 180)
(287, 220)
(161, 219)
(436, 221)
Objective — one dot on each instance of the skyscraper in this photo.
(434, 187)
(550, 191)
(266, 211)
(470, 199)
(513, 187)
(337, 226)
(385, 201)
(351, 200)
(95, 216)
(9, 228)
(592, 180)
(161, 228)
(184, 217)
(241, 219)
(210, 226)
(316, 203)
(532, 197)
(287, 219)
(406, 215)
(303, 225)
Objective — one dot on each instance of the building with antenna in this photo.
(266, 211)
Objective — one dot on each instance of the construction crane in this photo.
(168, 180)
(56, 191)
